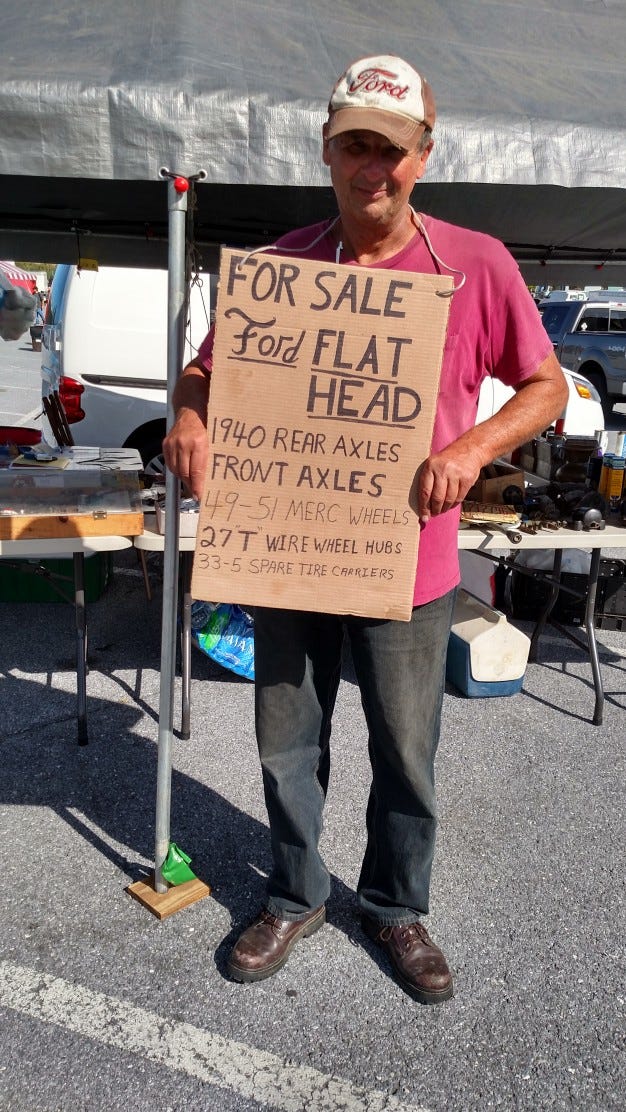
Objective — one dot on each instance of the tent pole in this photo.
(163, 899)
(177, 210)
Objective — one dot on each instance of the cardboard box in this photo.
(490, 488)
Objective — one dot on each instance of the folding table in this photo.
(78, 548)
(48, 532)
(486, 541)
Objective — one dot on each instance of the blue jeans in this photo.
(400, 668)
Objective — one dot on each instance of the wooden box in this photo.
(46, 503)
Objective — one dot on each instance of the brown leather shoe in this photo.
(420, 967)
(265, 945)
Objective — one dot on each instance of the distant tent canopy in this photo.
(18, 277)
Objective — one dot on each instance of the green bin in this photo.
(20, 582)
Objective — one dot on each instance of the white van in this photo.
(104, 349)
(582, 416)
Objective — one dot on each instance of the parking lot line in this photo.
(208, 1057)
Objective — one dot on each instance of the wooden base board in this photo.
(176, 898)
(24, 527)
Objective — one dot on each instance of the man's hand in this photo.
(444, 479)
(186, 448)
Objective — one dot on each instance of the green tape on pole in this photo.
(175, 868)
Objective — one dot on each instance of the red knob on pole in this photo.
(181, 185)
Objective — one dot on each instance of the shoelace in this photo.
(408, 933)
(267, 917)
(415, 929)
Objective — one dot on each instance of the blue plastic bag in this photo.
(225, 633)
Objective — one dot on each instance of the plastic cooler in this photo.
(486, 655)
(34, 580)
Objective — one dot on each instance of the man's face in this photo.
(372, 178)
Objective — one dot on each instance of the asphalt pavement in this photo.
(104, 1007)
(20, 383)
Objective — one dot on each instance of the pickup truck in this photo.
(589, 338)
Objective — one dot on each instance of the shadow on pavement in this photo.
(105, 792)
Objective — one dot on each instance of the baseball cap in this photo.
(385, 94)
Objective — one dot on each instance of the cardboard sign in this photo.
(323, 395)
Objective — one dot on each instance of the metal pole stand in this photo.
(161, 898)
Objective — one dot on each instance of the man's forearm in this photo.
(529, 412)
(445, 478)
(185, 447)
(192, 391)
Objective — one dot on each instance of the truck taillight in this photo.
(70, 393)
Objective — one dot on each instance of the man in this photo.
(376, 142)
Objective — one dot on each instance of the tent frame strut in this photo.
(164, 899)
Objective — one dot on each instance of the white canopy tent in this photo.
(530, 138)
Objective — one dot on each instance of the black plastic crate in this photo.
(528, 595)
(610, 611)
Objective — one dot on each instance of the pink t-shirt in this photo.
(493, 328)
